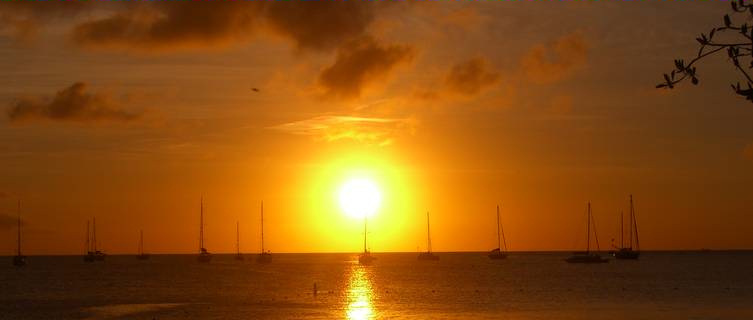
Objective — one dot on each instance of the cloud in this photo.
(21, 20)
(359, 63)
(470, 77)
(72, 103)
(171, 24)
(320, 25)
(549, 63)
(748, 152)
(380, 131)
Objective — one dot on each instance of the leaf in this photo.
(694, 80)
(666, 77)
(727, 21)
(711, 34)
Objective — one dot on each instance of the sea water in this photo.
(661, 285)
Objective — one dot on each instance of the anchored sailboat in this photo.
(142, 255)
(204, 255)
(627, 252)
(588, 256)
(365, 257)
(19, 260)
(428, 255)
(497, 253)
(238, 255)
(92, 253)
(264, 256)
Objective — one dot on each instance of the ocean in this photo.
(662, 285)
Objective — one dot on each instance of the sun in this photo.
(360, 197)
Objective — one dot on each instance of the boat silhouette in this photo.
(497, 253)
(92, 253)
(588, 256)
(19, 260)
(264, 257)
(629, 252)
(428, 255)
(142, 255)
(204, 255)
(238, 255)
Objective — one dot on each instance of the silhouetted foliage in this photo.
(736, 40)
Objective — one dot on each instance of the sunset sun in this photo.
(359, 197)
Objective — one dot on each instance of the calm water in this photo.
(699, 285)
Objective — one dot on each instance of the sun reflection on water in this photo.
(360, 295)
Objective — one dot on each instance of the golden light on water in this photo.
(360, 296)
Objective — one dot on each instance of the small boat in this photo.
(365, 258)
(238, 255)
(627, 252)
(498, 254)
(264, 257)
(92, 253)
(142, 255)
(588, 256)
(428, 255)
(204, 255)
(19, 260)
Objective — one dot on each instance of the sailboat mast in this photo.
(588, 228)
(428, 233)
(502, 230)
(364, 234)
(19, 227)
(94, 233)
(499, 244)
(262, 227)
(201, 225)
(635, 223)
(631, 222)
(622, 231)
(88, 246)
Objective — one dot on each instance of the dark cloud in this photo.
(72, 103)
(320, 25)
(21, 19)
(470, 77)
(359, 63)
(548, 63)
(171, 24)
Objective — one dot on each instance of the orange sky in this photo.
(131, 112)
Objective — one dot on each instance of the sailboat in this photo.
(142, 255)
(204, 255)
(92, 253)
(428, 255)
(588, 256)
(264, 256)
(498, 254)
(19, 260)
(627, 253)
(238, 255)
(365, 257)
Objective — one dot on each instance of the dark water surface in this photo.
(662, 285)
